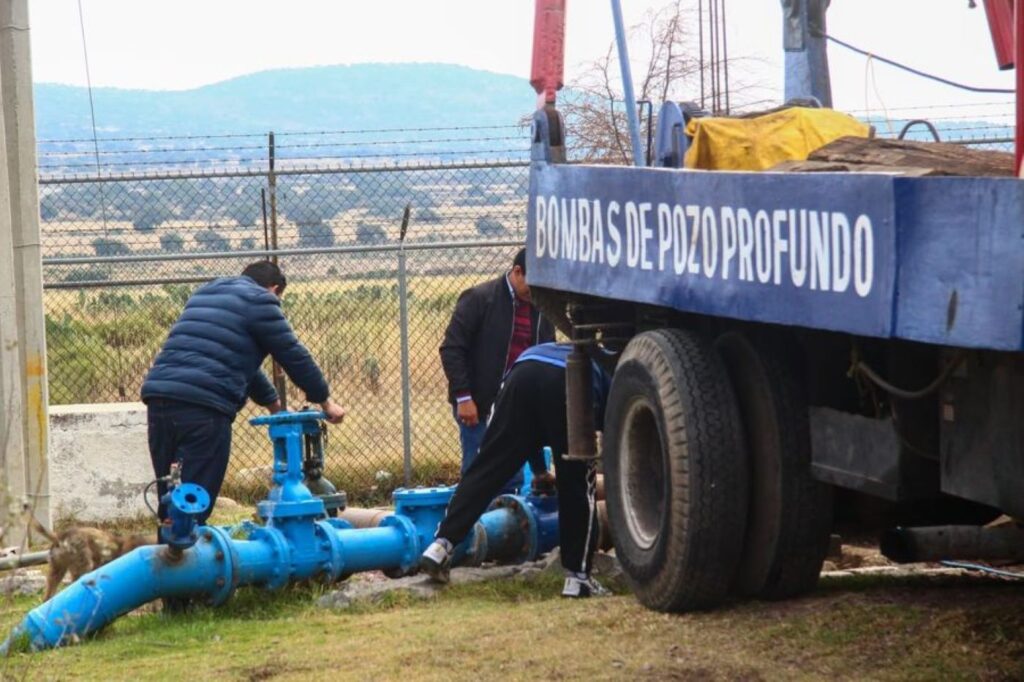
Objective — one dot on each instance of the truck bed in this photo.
(930, 259)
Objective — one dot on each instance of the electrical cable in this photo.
(145, 496)
(917, 72)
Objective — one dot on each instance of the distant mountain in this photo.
(292, 100)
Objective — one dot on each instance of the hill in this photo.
(352, 97)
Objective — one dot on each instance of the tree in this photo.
(105, 246)
(663, 47)
(490, 227)
(172, 242)
(314, 235)
(148, 218)
(369, 233)
(246, 211)
(211, 240)
(49, 207)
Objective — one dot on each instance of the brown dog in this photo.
(80, 550)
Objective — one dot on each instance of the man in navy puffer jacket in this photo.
(210, 365)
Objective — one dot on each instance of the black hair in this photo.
(520, 260)
(266, 274)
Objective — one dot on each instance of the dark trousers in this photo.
(198, 437)
(529, 413)
(471, 437)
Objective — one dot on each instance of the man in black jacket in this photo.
(210, 365)
(492, 324)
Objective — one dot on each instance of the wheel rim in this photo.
(643, 473)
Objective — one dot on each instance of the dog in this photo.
(81, 549)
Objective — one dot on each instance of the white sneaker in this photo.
(581, 586)
(436, 561)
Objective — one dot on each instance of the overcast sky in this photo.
(187, 43)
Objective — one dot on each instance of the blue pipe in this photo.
(296, 543)
(627, 84)
(806, 65)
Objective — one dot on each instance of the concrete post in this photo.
(23, 365)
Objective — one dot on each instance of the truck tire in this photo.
(790, 513)
(675, 471)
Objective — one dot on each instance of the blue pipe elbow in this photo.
(145, 574)
(288, 548)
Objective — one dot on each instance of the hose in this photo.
(905, 394)
(983, 569)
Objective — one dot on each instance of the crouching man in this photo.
(529, 413)
(210, 365)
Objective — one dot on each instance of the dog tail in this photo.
(42, 529)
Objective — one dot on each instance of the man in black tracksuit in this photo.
(530, 413)
(492, 324)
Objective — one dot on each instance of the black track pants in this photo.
(529, 413)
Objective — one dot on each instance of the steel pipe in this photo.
(936, 543)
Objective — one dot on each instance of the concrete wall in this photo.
(99, 461)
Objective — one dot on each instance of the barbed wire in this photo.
(367, 143)
(279, 159)
(213, 136)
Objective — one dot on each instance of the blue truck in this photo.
(790, 351)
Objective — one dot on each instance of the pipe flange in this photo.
(525, 519)
(410, 557)
(226, 557)
(282, 553)
(326, 531)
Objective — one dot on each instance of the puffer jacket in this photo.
(213, 353)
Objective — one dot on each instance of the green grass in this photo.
(913, 629)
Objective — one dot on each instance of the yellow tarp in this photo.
(761, 142)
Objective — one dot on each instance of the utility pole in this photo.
(23, 390)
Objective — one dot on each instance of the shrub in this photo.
(315, 235)
(368, 233)
(178, 293)
(132, 330)
(172, 242)
(490, 227)
(93, 274)
(105, 246)
(246, 212)
(211, 240)
(148, 218)
(371, 373)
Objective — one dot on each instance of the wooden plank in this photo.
(943, 158)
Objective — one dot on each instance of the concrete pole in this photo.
(24, 424)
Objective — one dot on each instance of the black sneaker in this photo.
(582, 586)
(436, 561)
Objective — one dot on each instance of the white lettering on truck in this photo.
(828, 251)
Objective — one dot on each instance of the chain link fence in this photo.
(127, 243)
(122, 253)
(985, 125)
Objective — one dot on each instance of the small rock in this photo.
(419, 586)
(22, 582)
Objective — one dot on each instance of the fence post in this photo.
(403, 325)
(280, 383)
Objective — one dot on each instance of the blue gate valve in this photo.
(184, 506)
